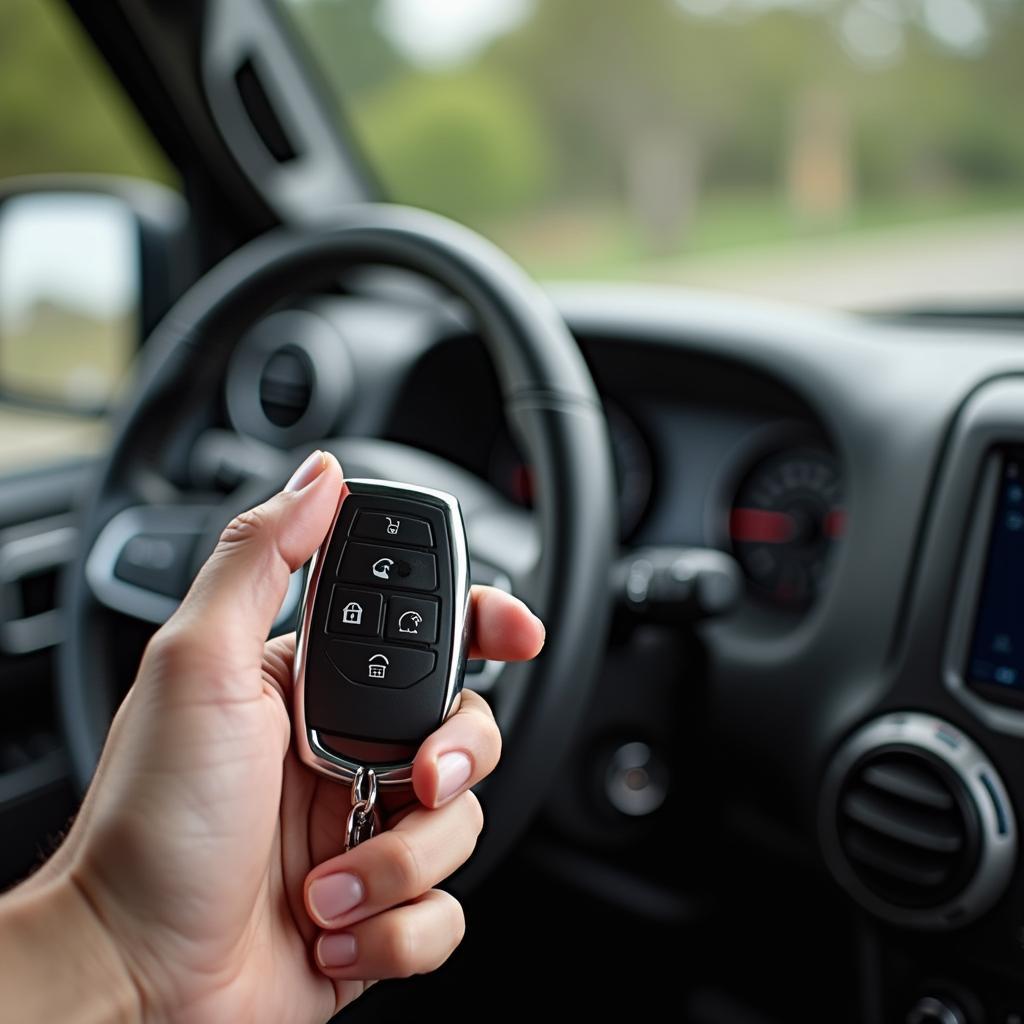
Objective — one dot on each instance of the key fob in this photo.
(383, 630)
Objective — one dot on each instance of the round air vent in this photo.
(290, 379)
(286, 386)
(909, 826)
(916, 823)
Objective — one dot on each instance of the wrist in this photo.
(58, 961)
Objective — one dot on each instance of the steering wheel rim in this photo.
(550, 402)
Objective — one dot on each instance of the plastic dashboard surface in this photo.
(887, 396)
(884, 394)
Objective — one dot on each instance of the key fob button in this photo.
(354, 612)
(396, 668)
(412, 618)
(388, 567)
(396, 529)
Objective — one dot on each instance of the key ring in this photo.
(362, 819)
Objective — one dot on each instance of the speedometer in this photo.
(633, 469)
(786, 517)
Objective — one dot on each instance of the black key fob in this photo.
(383, 631)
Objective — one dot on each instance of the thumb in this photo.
(234, 600)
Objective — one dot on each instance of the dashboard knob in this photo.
(636, 781)
(936, 1010)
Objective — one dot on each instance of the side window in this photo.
(61, 111)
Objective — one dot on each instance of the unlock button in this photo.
(380, 664)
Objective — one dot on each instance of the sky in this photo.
(440, 32)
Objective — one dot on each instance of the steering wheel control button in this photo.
(382, 649)
(413, 619)
(395, 529)
(388, 567)
(355, 612)
(157, 562)
(380, 664)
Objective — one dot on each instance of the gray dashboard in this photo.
(882, 395)
(909, 410)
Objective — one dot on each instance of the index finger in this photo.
(503, 628)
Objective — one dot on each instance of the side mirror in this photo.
(87, 267)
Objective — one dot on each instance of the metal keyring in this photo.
(362, 819)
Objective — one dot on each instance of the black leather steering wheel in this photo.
(558, 560)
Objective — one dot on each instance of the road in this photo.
(973, 261)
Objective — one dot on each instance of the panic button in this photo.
(380, 664)
(397, 528)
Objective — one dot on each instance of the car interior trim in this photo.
(49, 546)
(991, 419)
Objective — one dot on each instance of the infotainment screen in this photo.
(996, 659)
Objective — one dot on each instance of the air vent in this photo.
(908, 827)
(915, 822)
(286, 386)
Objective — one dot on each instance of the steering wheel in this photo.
(558, 559)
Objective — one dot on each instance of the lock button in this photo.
(354, 612)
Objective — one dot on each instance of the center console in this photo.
(919, 803)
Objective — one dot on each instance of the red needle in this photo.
(835, 523)
(755, 525)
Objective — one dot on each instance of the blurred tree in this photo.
(60, 110)
(636, 113)
(346, 39)
(467, 144)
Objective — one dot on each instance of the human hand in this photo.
(207, 855)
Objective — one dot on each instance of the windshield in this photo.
(864, 154)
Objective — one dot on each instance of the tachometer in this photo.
(785, 519)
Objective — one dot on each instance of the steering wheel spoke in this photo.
(482, 675)
(145, 558)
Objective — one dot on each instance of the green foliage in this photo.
(345, 39)
(59, 108)
(552, 115)
(467, 144)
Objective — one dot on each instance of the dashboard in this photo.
(707, 454)
(861, 708)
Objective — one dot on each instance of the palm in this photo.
(267, 950)
(241, 936)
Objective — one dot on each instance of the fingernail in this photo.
(453, 770)
(338, 950)
(543, 629)
(334, 895)
(307, 472)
